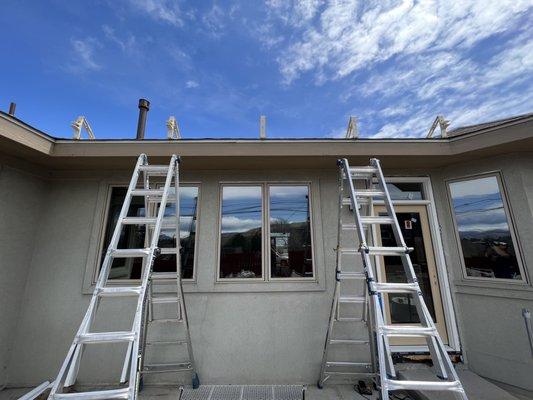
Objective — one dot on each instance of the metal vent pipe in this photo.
(144, 107)
(12, 107)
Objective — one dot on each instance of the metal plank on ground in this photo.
(243, 392)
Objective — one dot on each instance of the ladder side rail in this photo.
(334, 302)
(371, 323)
(73, 353)
(108, 260)
(384, 363)
(134, 372)
(423, 312)
(181, 299)
(147, 213)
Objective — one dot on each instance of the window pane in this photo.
(188, 217)
(405, 190)
(241, 236)
(484, 229)
(131, 237)
(290, 232)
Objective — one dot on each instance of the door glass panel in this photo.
(402, 307)
(241, 232)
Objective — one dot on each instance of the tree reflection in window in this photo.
(241, 232)
(483, 226)
(290, 232)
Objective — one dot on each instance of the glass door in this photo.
(400, 309)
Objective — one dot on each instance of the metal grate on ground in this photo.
(244, 392)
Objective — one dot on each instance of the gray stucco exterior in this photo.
(250, 333)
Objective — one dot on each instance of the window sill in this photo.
(516, 290)
(265, 287)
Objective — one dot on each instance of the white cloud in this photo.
(164, 10)
(192, 84)
(235, 224)
(351, 36)
(127, 45)
(83, 55)
(214, 21)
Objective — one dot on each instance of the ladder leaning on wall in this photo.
(134, 367)
(360, 202)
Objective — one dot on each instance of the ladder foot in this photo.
(195, 381)
(141, 383)
(319, 385)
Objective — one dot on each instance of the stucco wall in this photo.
(261, 332)
(21, 197)
(489, 314)
(242, 332)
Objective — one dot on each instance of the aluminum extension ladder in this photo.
(375, 187)
(131, 371)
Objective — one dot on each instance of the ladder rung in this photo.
(393, 384)
(362, 172)
(157, 276)
(166, 343)
(352, 299)
(120, 291)
(139, 221)
(347, 364)
(127, 253)
(407, 331)
(106, 337)
(349, 319)
(351, 275)
(147, 192)
(367, 374)
(122, 393)
(165, 299)
(165, 320)
(349, 341)
(369, 193)
(171, 367)
(388, 251)
(160, 170)
(376, 220)
(396, 287)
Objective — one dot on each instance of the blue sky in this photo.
(307, 65)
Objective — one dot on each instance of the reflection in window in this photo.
(188, 216)
(241, 232)
(133, 236)
(290, 232)
(483, 226)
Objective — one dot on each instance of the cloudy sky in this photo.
(308, 65)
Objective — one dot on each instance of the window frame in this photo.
(510, 222)
(265, 232)
(100, 247)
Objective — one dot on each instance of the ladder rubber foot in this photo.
(319, 385)
(195, 381)
(141, 383)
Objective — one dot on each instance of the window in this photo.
(244, 235)
(241, 232)
(484, 229)
(290, 232)
(406, 190)
(133, 236)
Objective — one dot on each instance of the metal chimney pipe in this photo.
(12, 107)
(144, 107)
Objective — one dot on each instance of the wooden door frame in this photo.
(441, 323)
(444, 284)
